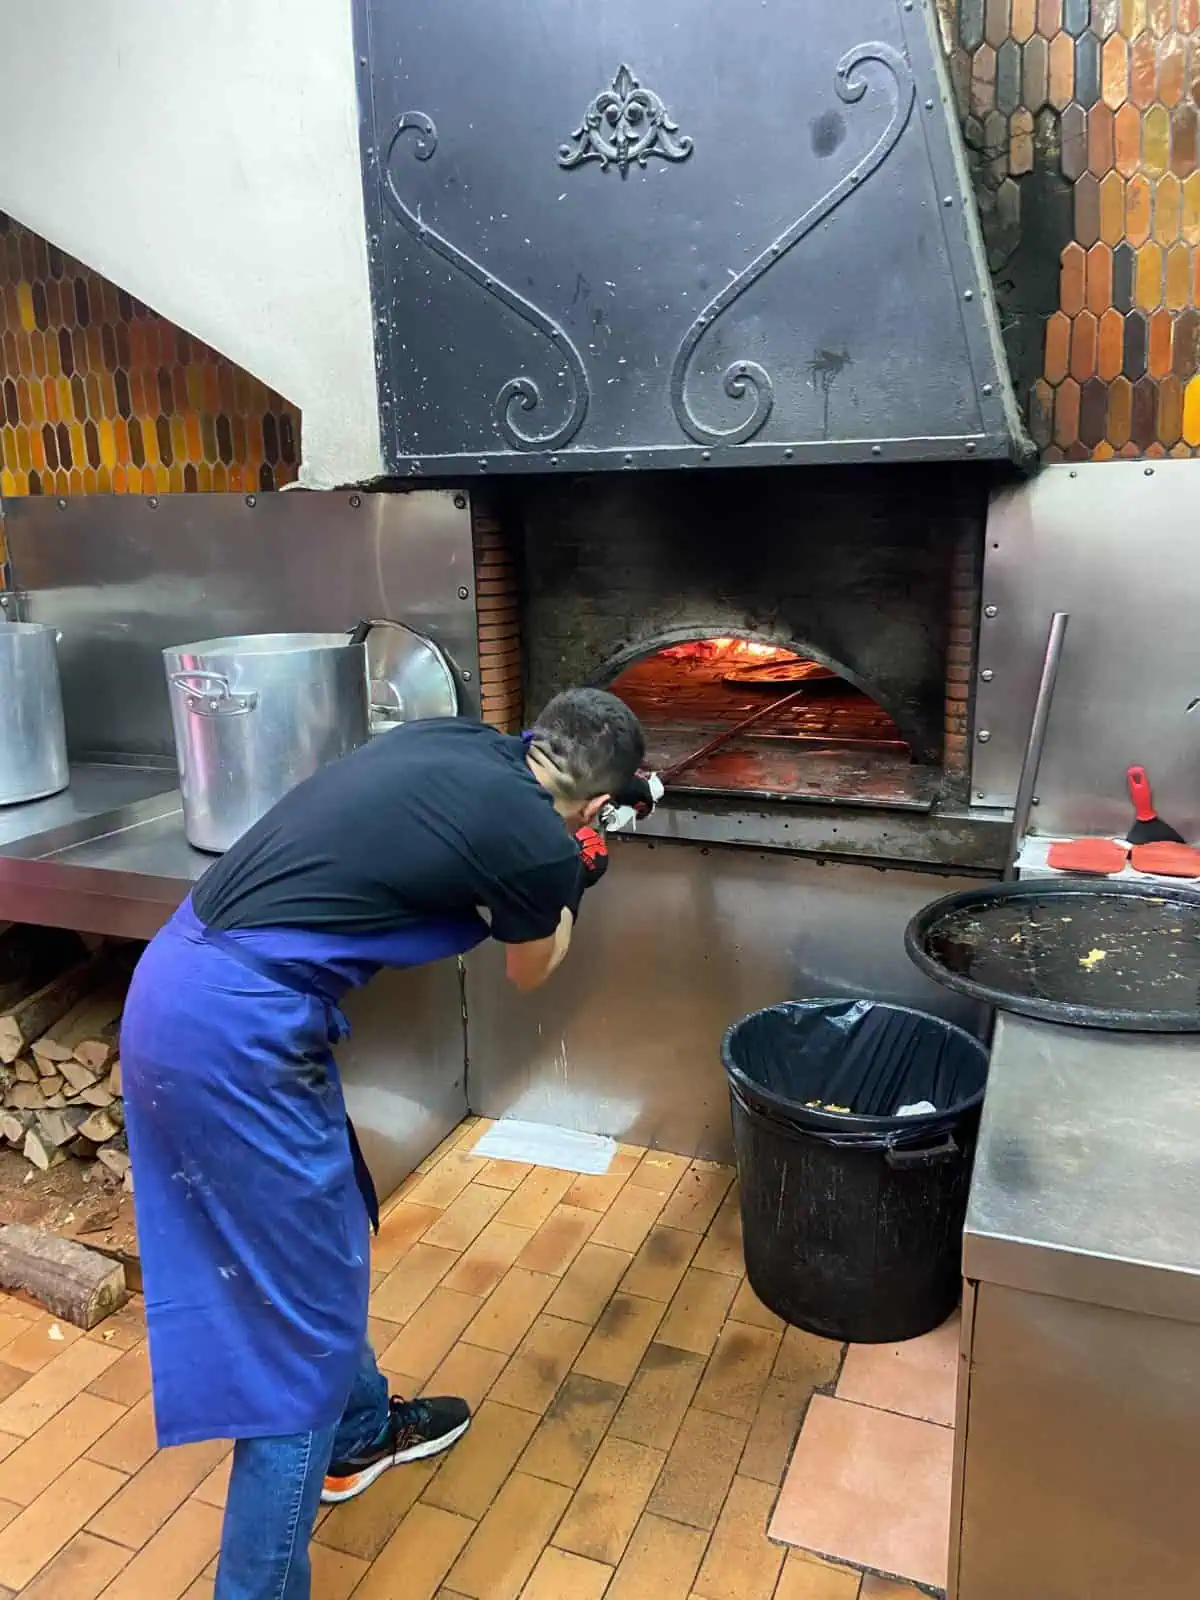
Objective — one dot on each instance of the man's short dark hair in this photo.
(592, 739)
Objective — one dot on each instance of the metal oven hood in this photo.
(640, 235)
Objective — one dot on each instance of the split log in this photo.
(14, 1125)
(42, 1154)
(114, 1077)
(114, 1158)
(60, 1127)
(24, 1097)
(100, 1127)
(95, 1094)
(88, 1031)
(25, 1071)
(79, 1077)
(71, 1281)
(51, 1086)
(28, 1019)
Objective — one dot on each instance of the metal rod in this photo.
(729, 733)
(1036, 742)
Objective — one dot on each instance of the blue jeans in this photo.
(275, 1493)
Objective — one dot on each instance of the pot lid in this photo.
(408, 675)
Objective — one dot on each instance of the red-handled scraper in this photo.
(1148, 827)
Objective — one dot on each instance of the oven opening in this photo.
(797, 728)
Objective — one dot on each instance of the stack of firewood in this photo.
(60, 1073)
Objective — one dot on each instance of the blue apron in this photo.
(253, 1201)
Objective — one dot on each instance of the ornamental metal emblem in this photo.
(625, 124)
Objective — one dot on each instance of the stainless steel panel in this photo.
(677, 943)
(94, 792)
(548, 299)
(1082, 1454)
(33, 741)
(125, 578)
(1114, 544)
(1086, 1180)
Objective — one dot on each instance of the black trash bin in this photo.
(852, 1220)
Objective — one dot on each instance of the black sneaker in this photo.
(416, 1429)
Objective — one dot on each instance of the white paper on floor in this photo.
(543, 1146)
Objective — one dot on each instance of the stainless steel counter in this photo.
(1078, 1430)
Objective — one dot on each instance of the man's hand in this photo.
(637, 794)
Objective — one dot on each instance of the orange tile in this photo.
(1072, 279)
(570, 1433)
(660, 1563)
(872, 1488)
(173, 1559)
(362, 1527)
(80, 1571)
(540, 1363)
(630, 1217)
(1110, 351)
(54, 1386)
(659, 1172)
(335, 1576)
(445, 1181)
(509, 1312)
(807, 1577)
(917, 1379)
(481, 1268)
(619, 1340)
(560, 1576)
(738, 1371)
(38, 1343)
(42, 1529)
(214, 1489)
(141, 1508)
(411, 1281)
(127, 1381)
(417, 1557)
(558, 1241)
(660, 1264)
(430, 1333)
(608, 1504)
(504, 1174)
(740, 1564)
(589, 1283)
(468, 1371)
(596, 1192)
(697, 1197)
(465, 1217)
(530, 1204)
(699, 1469)
(1138, 194)
(506, 1545)
(34, 1466)
(698, 1310)
(472, 1474)
(399, 1230)
(131, 1442)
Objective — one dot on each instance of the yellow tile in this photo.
(141, 1508)
(659, 1396)
(362, 1527)
(558, 1241)
(335, 1576)
(630, 1217)
(697, 1197)
(747, 1307)
(696, 1314)
(660, 1264)
(616, 1347)
(540, 1363)
(506, 1545)
(481, 1268)
(472, 1474)
(411, 1281)
(608, 1504)
(721, 1248)
(529, 1205)
(445, 1181)
(807, 1358)
(468, 1371)
(774, 1430)
(596, 1192)
(430, 1333)
(570, 1433)
(589, 1283)
(660, 1563)
(738, 1370)
(511, 1309)
(659, 1172)
(25, 307)
(508, 1175)
(806, 1577)
(417, 1557)
(741, 1564)
(560, 1576)
(55, 1386)
(699, 1469)
(176, 1555)
(131, 1442)
(399, 1230)
(36, 1463)
(1191, 412)
(42, 1529)
(82, 1570)
(465, 1217)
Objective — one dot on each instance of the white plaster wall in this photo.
(203, 154)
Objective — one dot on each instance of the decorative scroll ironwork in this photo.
(520, 393)
(625, 124)
(743, 376)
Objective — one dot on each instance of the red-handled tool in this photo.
(1148, 828)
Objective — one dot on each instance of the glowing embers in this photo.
(814, 734)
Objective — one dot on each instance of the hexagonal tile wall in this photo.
(98, 393)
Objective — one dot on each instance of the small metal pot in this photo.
(33, 740)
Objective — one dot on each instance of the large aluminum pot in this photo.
(254, 716)
(33, 740)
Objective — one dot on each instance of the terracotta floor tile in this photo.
(561, 1576)
(624, 1329)
(11, 1379)
(417, 1556)
(127, 1381)
(699, 1469)
(11, 1325)
(529, 1205)
(42, 1529)
(738, 1371)
(9, 1509)
(429, 1335)
(453, 1139)
(511, 1309)
(335, 1576)
(506, 1546)
(480, 1268)
(155, 1492)
(130, 1443)
(659, 1171)
(747, 1307)
(608, 1504)
(173, 1559)
(399, 1230)
(697, 1197)
(589, 1283)
(362, 1527)
(469, 1371)
(445, 1181)
(410, 1282)
(541, 1362)
(774, 1430)
(871, 1488)
(82, 1570)
(596, 1191)
(807, 1358)
(558, 1241)
(660, 1563)
(659, 1266)
(570, 1433)
(721, 1248)
(214, 1489)
(41, 1341)
(54, 1386)
(40, 1460)
(508, 1175)
(8, 1443)
(917, 1379)
(477, 1466)
(740, 1563)
(807, 1577)
(465, 1218)
(381, 1332)
(659, 1396)
(698, 1311)
(875, 1588)
(125, 1328)
(630, 1217)
(202, 1589)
